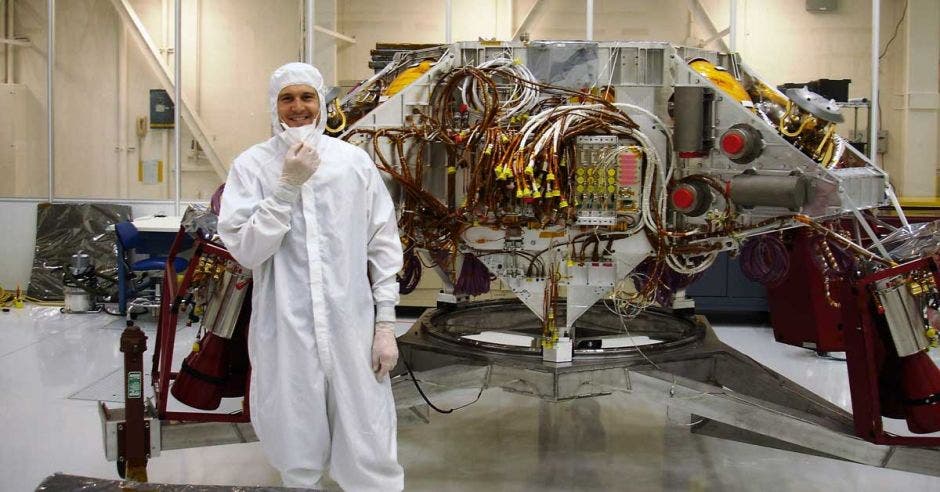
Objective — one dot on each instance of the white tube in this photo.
(121, 152)
(6, 48)
(733, 27)
(9, 51)
(50, 64)
(875, 67)
(166, 32)
(897, 207)
(589, 20)
(309, 34)
(448, 21)
(197, 56)
(177, 104)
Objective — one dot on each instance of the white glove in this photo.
(300, 163)
(384, 349)
(933, 318)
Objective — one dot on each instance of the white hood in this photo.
(297, 73)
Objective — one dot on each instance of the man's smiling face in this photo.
(298, 105)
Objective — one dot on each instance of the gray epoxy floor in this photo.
(53, 368)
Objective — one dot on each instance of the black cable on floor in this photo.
(425, 397)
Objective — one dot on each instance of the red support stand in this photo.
(875, 376)
(174, 292)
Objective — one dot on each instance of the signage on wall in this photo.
(161, 109)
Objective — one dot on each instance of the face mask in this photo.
(308, 134)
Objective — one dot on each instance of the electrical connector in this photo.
(18, 298)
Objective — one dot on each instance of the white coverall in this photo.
(314, 398)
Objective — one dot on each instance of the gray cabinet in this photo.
(724, 288)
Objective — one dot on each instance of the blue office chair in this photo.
(144, 289)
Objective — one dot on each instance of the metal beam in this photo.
(529, 18)
(701, 15)
(309, 37)
(152, 55)
(589, 20)
(733, 27)
(448, 22)
(50, 100)
(329, 32)
(178, 96)
(7, 11)
(875, 66)
(717, 35)
(801, 430)
(15, 42)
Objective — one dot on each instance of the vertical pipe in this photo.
(448, 20)
(167, 153)
(733, 28)
(875, 67)
(309, 34)
(512, 18)
(197, 56)
(177, 104)
(589, 20)
(8, 32)
(166, 30)
(122, 150)
(4, 14)
(495, 19)
(873, 109)
(50, 64)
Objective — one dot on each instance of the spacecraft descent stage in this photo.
(596, 180)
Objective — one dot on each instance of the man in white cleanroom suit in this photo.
(310, 215)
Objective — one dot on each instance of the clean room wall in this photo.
(84, 99)
(239, 41)
(780, 40)
(23, 128)
(229, 48)
(228, 42)
(18, 222)
(371, 22)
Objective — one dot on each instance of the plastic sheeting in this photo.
(200, 222)
(62, 229)
(921, 240)
(570, 64)
(61, 482)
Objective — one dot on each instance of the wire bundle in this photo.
(512, 141)
(410, 273)
(474, 278)
(765, 259)
(661, 285)
(522, 96)
(215, 203)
